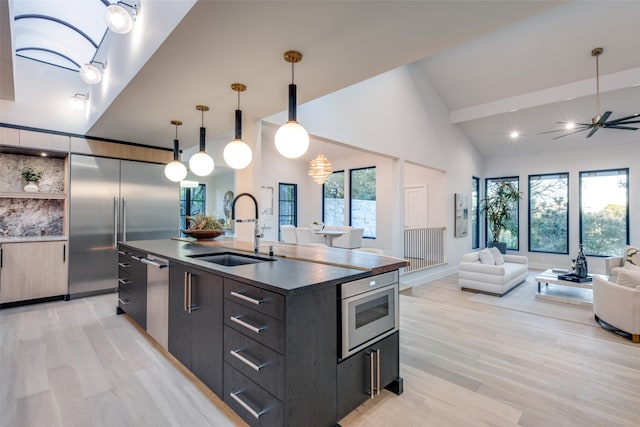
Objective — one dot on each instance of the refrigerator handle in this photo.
(124, 219)
(115, 223)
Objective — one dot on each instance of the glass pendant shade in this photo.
(90, 74)
(201, 164)
(237, 154)
(175, 171)
(292, 140)
(119, 19)
(320, 169)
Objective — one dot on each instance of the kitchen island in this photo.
(266, 333)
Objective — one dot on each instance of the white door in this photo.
(415, 207)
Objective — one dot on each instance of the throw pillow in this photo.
(629, 278)
(497, 256)
(486, 257)
(632, 258)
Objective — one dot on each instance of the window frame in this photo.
(351, 171)
(294, 202)
(486, 223)
(323, 194)
(580, 217)
(475, 213)
(542, 175)
(188, 192)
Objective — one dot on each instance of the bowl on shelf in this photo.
(203, 234)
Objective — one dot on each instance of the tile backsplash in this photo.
(25, 216)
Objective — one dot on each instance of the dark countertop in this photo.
(296, 267)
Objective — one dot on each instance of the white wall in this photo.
(399, 114)
(592, 156)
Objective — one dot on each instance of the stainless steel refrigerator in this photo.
(114, 200)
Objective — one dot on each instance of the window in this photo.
(192, 202)
(287, 205)
(362, 200)
(333, 199)
(604, 211)
(510, 235)
(475, 212)
(549, 213)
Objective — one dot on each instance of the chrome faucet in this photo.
(256, 233)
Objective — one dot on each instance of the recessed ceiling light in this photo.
(514, 134)
(570, 125)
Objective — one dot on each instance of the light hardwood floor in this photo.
(464, 363)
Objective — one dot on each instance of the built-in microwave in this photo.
(369, 311)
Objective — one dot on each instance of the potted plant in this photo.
(32, 176)
(497, 209)
(317, 226)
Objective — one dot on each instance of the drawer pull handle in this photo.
(123, 252)
(246, 298)
(240, 357)
(124, 281)
(236, 319)
(137, 258)
(236, 396)
(124, 265)
(123, 301)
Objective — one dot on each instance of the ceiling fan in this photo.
(598, 122)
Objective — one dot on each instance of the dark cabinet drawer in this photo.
(256, 406)
(255, 298)
(256, 361)
(258, 326)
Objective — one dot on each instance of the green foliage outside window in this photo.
(549, 213)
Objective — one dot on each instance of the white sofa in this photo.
(492, 279)
(618, 306)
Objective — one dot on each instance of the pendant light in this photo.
(237, 153)
(175, 170)
(121, 16)
(320, 169)
(201, 163)
(292, 140)
(91, 74)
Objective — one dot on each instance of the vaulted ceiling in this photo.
(497, 66)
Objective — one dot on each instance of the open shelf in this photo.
(25, 195)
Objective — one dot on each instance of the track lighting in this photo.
(78, 102)
(91, 74)
(121, 16)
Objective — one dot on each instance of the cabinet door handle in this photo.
(123, 301)
(378, 370)
(236, 396)
(246, 298)
(239, 321)
(1, 256)
(124, 281)
(184, 291)
(189, 300)
(249, 363)
(64, 253)
(124, 219)
(371, 370)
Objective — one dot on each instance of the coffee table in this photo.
(563, 291)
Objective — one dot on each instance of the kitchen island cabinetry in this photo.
(195, 322)
(132, 286)
(32, 271)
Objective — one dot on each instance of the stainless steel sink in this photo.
(230, 259)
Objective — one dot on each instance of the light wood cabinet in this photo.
(44, 141)
(32, 270)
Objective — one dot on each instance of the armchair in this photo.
(288, 233)
(352, 239)
(617, 306)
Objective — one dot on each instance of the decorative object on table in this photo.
(598, 122)
(580, 269)
(32, 177)
(317, 226)
(497, 210)
(461, 228)
(572, 277)
(204, 227)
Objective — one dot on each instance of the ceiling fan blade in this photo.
(635, 116)
(604, 117)
(618, 122)
(621, 127)
(570, 133)
(577, 124)
(558, 130)
(592, 132)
